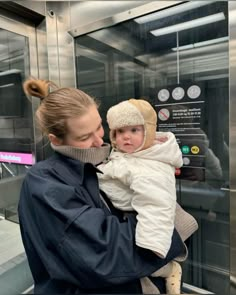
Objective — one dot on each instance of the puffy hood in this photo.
(167, 152)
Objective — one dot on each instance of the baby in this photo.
(140, 176)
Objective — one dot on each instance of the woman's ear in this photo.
(54, 140)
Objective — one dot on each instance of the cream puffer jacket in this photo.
(145, 182)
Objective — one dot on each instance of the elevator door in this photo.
(177, 59)
(17, 61)
(17, 154)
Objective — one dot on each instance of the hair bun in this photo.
(36, 87)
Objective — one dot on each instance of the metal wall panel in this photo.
(37, 6)
(232, 124)
(93, 15)
(85, 12)
(60, 46)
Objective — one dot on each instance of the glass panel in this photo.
(16, 156)
(183, 72)
(15, 120)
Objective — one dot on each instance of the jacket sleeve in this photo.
(80, 243)
(154, 199)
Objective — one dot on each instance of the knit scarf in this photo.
(94, 155)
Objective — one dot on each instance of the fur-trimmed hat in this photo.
(130, 113)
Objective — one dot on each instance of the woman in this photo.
(75, 240)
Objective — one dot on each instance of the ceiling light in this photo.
(190, 24)
(201, 44)
(209, 42)
(184, 47)
(171, 11)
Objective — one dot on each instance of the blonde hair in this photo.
(57, 106)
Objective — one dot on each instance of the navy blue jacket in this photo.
(73, 242)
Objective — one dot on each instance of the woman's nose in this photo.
(98, 141)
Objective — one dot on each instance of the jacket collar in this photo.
(93, 155)
(75, 166)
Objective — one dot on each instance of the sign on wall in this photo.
(17, 158)
(180, 109)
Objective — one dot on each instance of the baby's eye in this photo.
(120, 131)
(134, 129)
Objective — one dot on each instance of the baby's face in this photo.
(130, 138)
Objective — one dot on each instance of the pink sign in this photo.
(18, 158)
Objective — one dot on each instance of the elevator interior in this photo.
(185, 76)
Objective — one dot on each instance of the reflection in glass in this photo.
(15, 120)
(127, 60)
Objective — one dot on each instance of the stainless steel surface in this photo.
(41, 34)
(85, 12)
(116, 18)
(232, 147)
(38, 6)
(43, 73)
(60, 45)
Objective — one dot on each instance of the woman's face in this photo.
(85, 131)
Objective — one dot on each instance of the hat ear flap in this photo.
(150, 135)
(112, 135)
